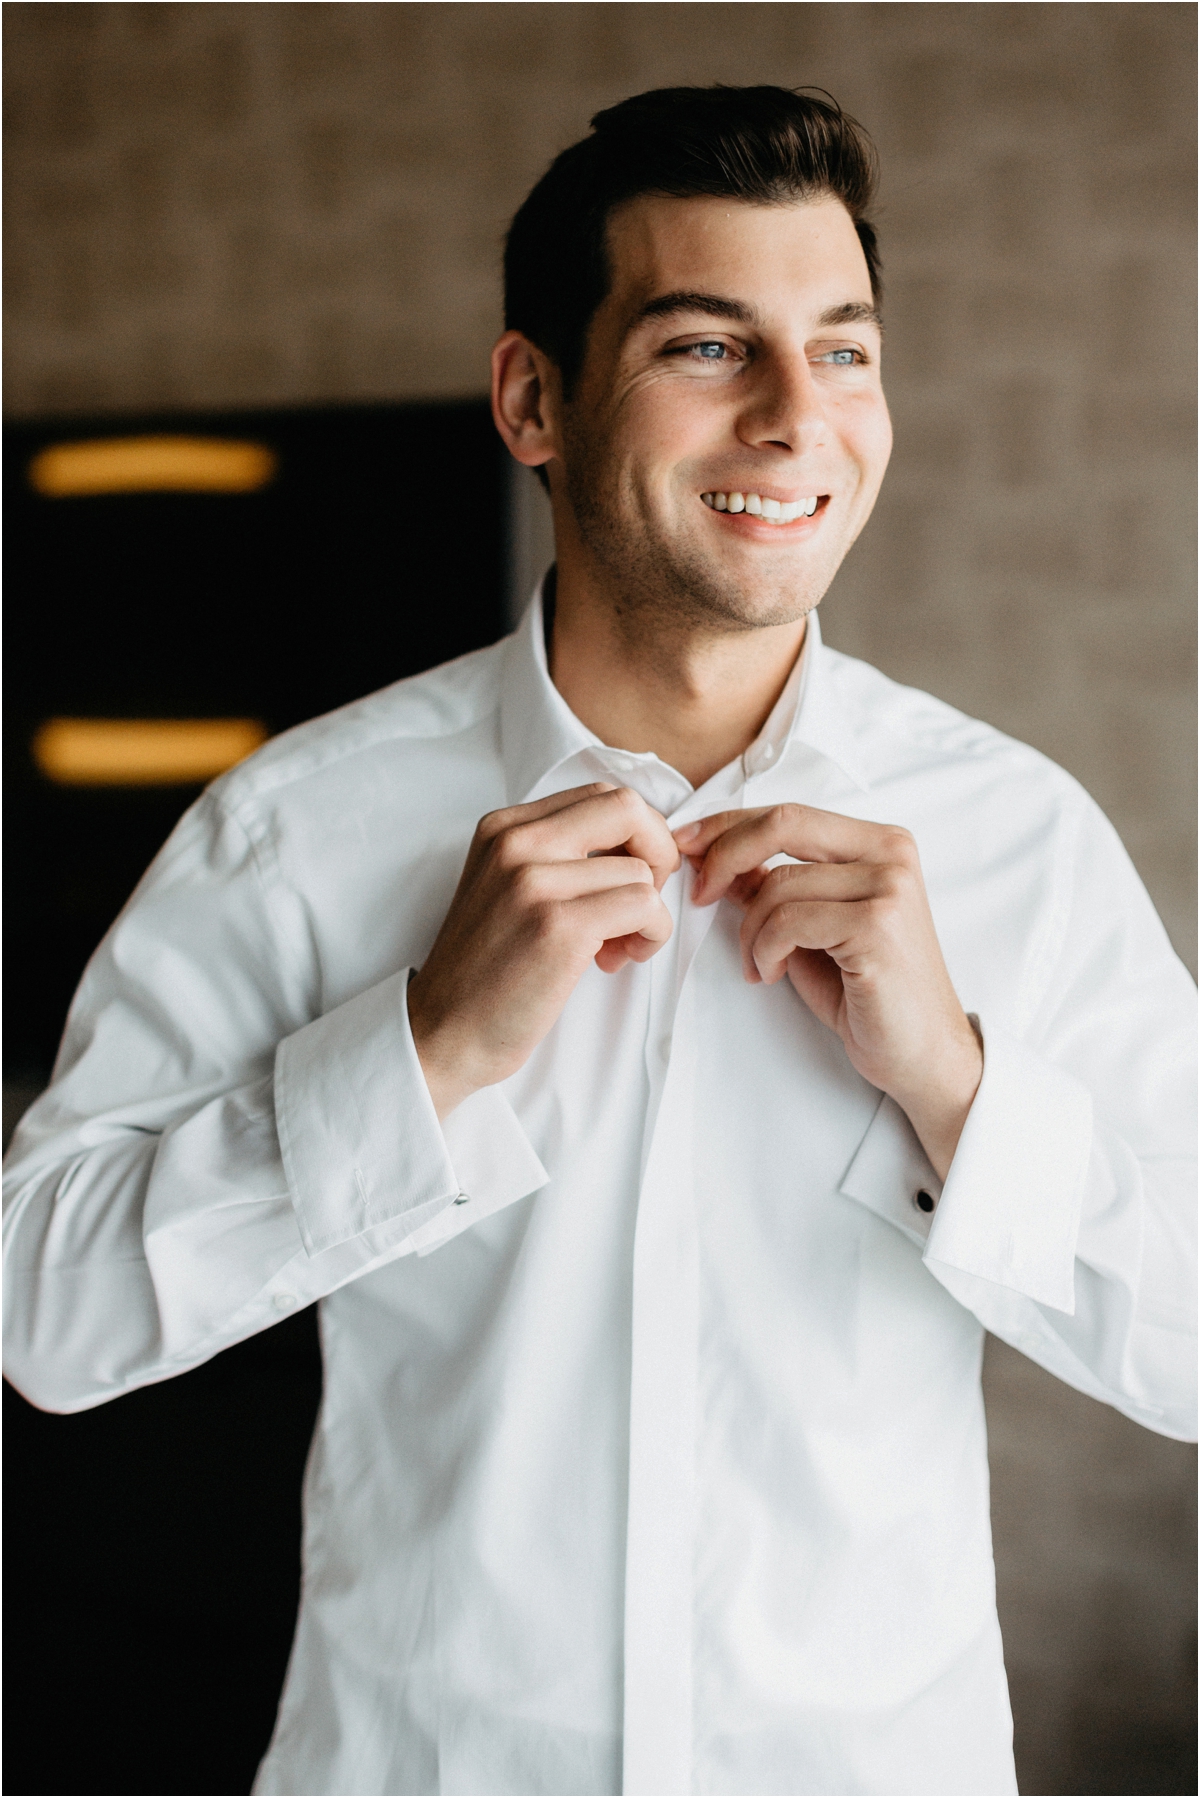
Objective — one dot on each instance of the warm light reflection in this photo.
(151, 465)
(142, 752)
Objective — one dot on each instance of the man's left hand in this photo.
(849, 923)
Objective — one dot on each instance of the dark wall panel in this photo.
(153, 1543)
(377, 551)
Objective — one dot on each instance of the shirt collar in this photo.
(540, 734)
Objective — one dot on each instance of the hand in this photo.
(546, 889)
(851, 928)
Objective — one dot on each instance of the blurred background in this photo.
(257, 247)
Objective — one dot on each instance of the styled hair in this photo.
(770, 145)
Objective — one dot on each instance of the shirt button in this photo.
(924, 1201)
(464, 1198)
(285, 1301)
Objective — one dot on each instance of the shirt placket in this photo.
(663, 1397)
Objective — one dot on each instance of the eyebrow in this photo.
(852, 312)
(715, 305)
(711, 303)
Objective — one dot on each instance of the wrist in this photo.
(939, 1107)
(443, 1064)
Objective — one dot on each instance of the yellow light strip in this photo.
(142, 752)
(151, 465)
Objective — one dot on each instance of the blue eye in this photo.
(840, 358)
(711, 352)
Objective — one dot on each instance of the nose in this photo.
(784, 409)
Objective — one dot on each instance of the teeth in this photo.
(776, 511)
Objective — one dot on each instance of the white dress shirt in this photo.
(652, 1453)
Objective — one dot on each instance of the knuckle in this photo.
(549, 920)
(883, 911)
(888, 882)
(899, 844)
(527, 883)
(490, 826)
(786, 919)
(508, 848)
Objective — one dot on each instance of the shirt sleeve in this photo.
(1066, 1223)
(215, 1148)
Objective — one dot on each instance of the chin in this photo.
(760, 603)
(774, 610)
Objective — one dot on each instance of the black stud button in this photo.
(925, 1200)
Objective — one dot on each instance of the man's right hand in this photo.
(546, 889)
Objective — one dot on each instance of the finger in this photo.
(813, 880)
(831, 926)
(694, 839)
(618, 818)
(614, 953)
(556, 883)
(763, 888)
(831, 829)
(818, 980)
(797, 830)
(510, 815)
(612, 956)
(627, 911)
(789, 890)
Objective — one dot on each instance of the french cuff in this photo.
(494, 1165)
(1013, 1197)
(892, 1175)
(360, 1139)
(1010, 1207)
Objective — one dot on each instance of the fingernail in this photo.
(686, 832)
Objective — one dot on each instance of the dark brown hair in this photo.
(764, 144)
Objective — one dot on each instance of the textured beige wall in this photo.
(246, 204)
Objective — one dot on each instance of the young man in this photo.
(659, 1170)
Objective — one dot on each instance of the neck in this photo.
(694, 696)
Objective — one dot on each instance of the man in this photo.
(663, 1046)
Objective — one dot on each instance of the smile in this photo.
(773, 511)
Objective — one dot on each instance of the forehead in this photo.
(797, 252)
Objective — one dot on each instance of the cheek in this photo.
(866, 431)
(667, 424)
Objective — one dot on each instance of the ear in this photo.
(524, 394)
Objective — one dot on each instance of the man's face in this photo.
(737, 354)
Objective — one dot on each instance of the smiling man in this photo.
(662, 1046)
